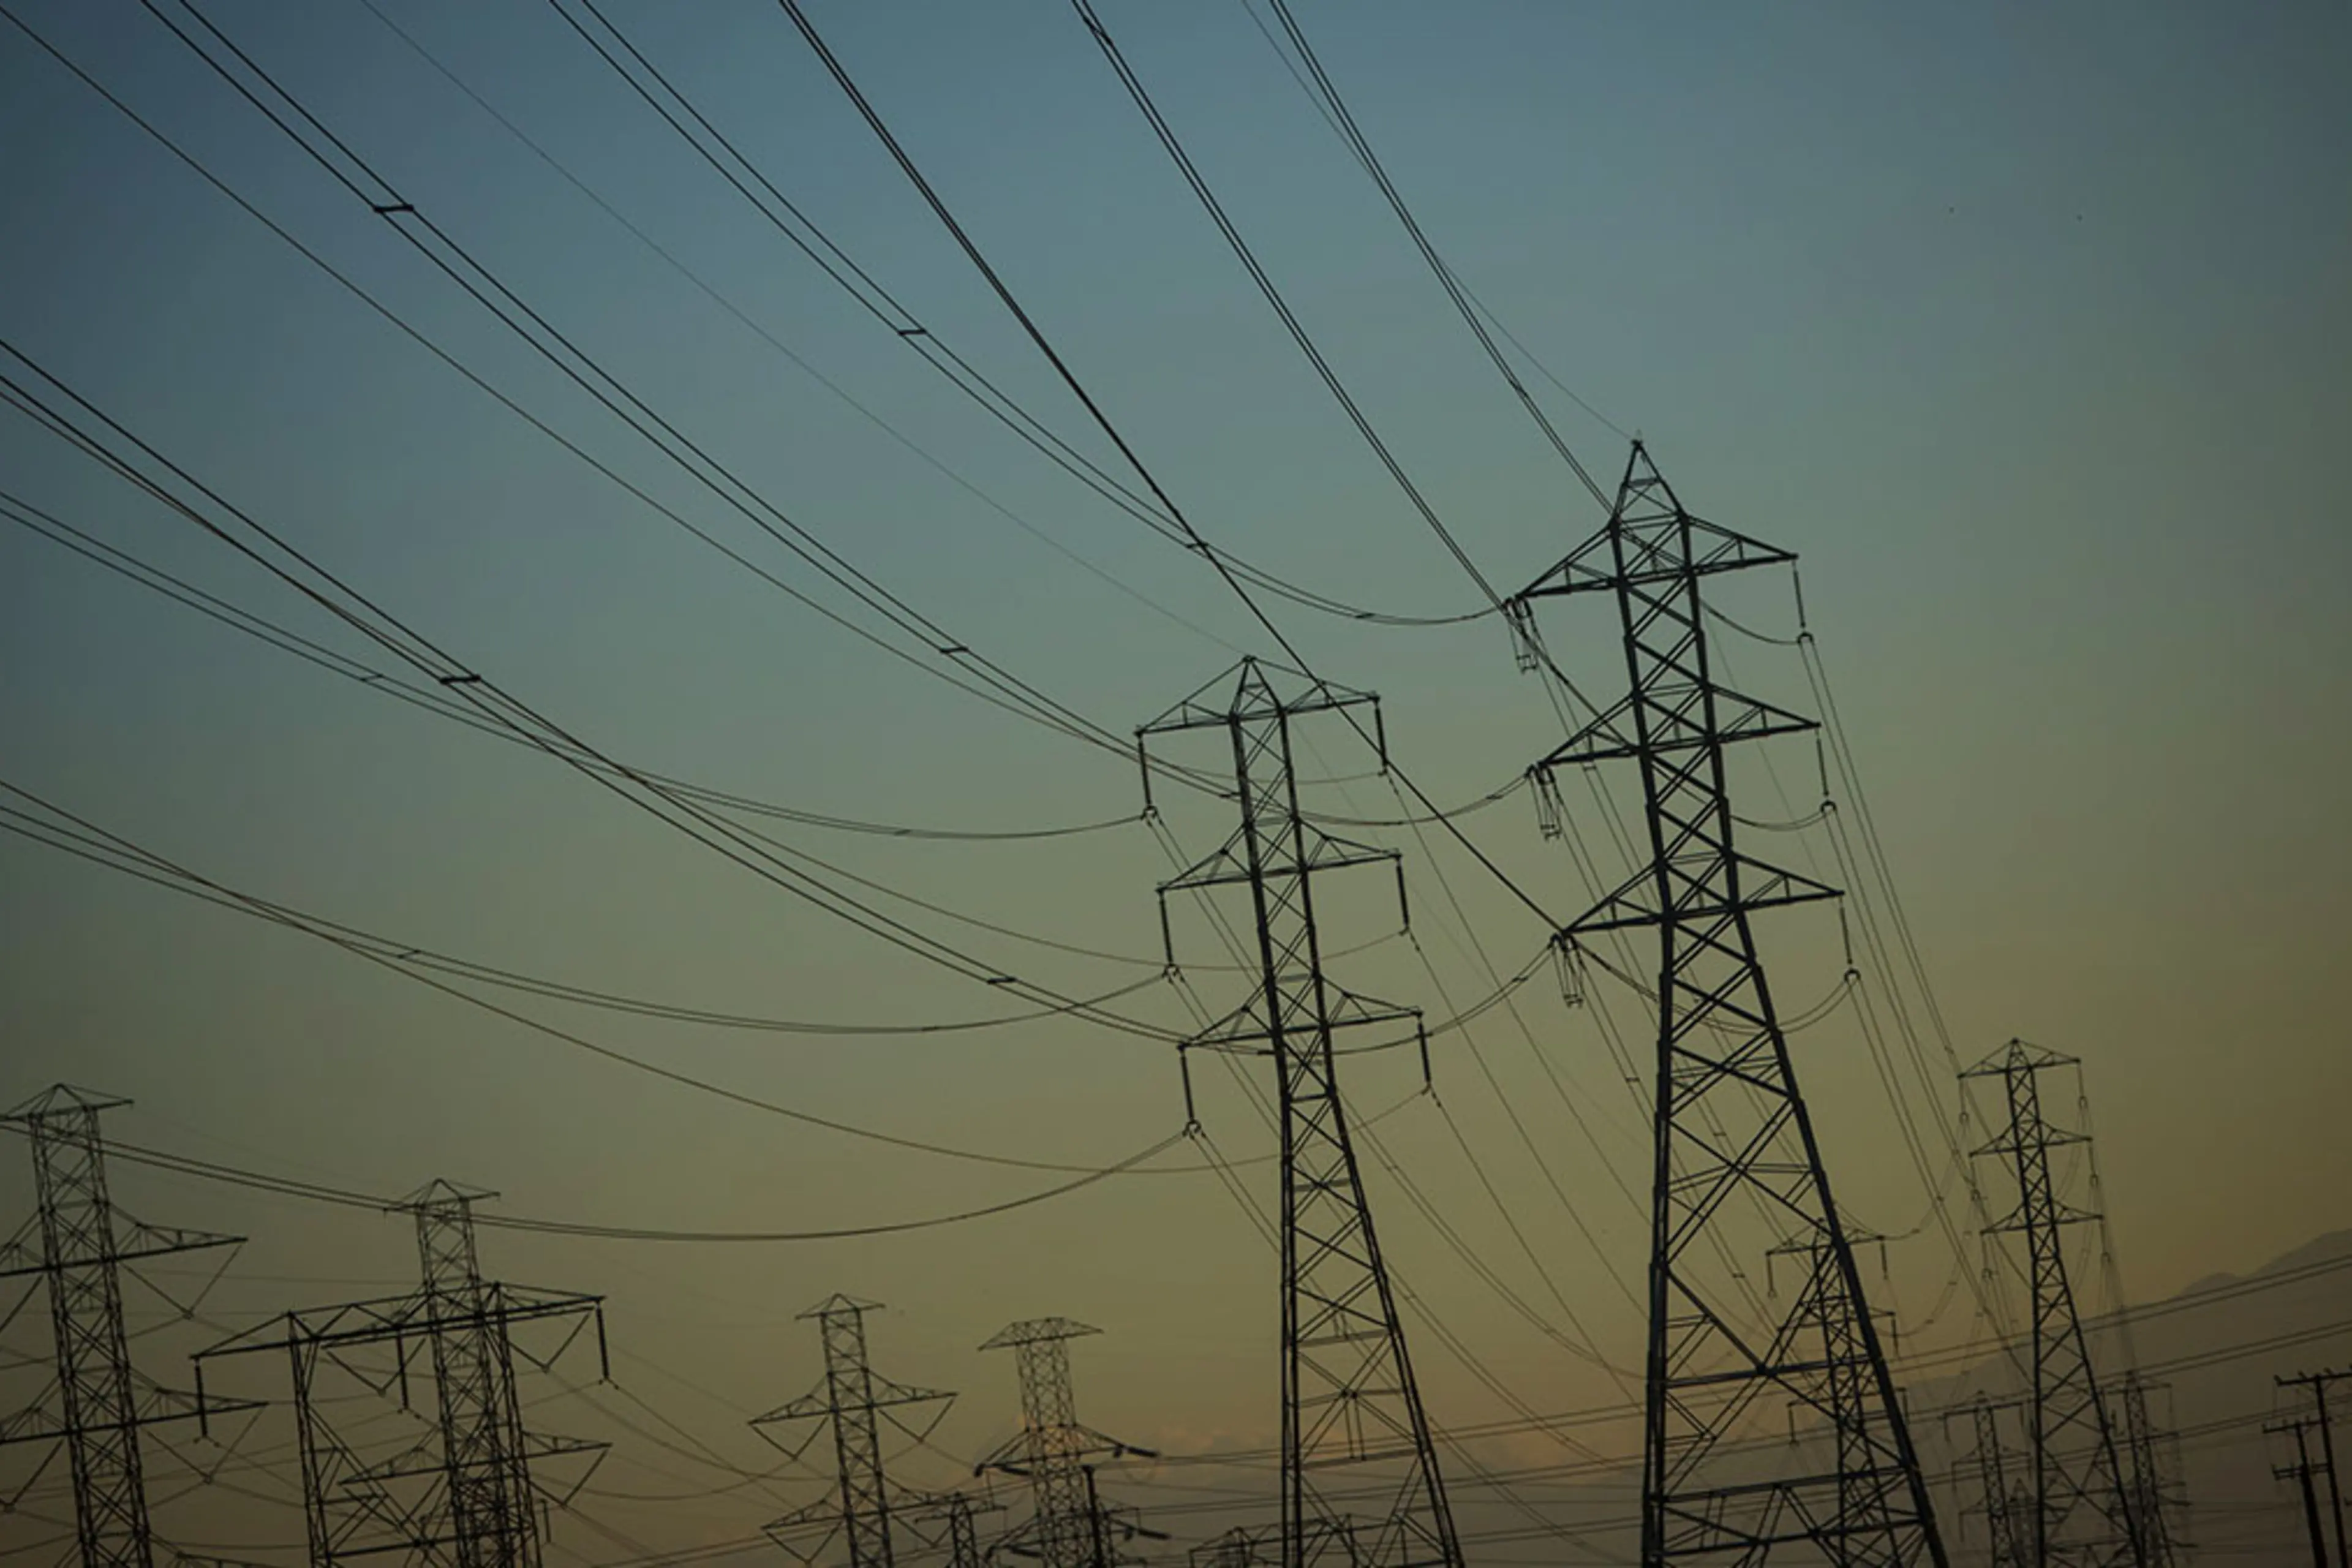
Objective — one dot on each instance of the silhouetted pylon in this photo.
(2082, 1515)
(1068, 1526)
(1729, 1119)
(78, 1244)
(1350, 1401)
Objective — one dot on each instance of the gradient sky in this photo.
(2027, 328)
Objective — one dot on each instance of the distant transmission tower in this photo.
(84, 1242)
(1069, 1527)
(2082, 1511)
(2152, 1489)
(850, 1401)
(464, 1493)
(1998, 1496)
(1729, 1119)
(1349, 1397)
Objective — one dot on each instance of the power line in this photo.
(757, 853)
(1327, 95)
(94, 844)
(1127, 452)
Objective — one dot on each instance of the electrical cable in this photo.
(1110, 430)
(1340, 116)
(877, 302)
(96, 845)
(728, 839)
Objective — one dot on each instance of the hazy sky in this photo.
(2026, 329)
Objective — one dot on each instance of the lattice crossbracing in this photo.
(2082, 1515)
(1350, 1400)
(469, 1494)
(1069, 1527)
(102, 1400)
(869, 1506)
(1731, 1126)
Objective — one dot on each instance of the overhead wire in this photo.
(1327, 93)
(87, 841)
(1103, 422)
(758, 854)
(681, 113)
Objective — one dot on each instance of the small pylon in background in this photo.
(1069, 1527)
(2152, 1488)
(465, 1491)
(2000, 1497)
(2082, 1515)
(80, 1244)
(850, 1402)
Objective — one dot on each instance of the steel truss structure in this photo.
(1348, 1396)
(1729, 1120)
(1069, 1527)
(463, 1494)
(2153, 1488)
(850, 1402)
(80, 1245)
(2082, 1514)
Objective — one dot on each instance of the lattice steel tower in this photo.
(1998, 1498)
(850, 1401)
(2153, 1491)
(2082, 1511)
(1348, 1398)
(102, 1400)
(1068, 1527)
(465, 1495)
(1729, 1122)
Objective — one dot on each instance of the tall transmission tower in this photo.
(1729, 1120)
(850, 1403)
(1348, 1398)
(2082, 1513)
(464, 1492)
(1069, 1527)
(80, 1245)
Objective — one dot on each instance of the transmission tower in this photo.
(2152, 1493)
(1069, 1527)
(850, 1401)
(1348, 1398)
(1728, 1117)
(1998, 1497)
(79, 1244)
(464, 1492)
(2082, 1513)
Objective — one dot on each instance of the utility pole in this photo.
(1068, 1527)
(466, 1494)
(1729, 1119)
(2300, 1471)
(2078, 1482)
(84, 1244)
(2319, 1382)
(850, 1400)
(1348, 1398)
